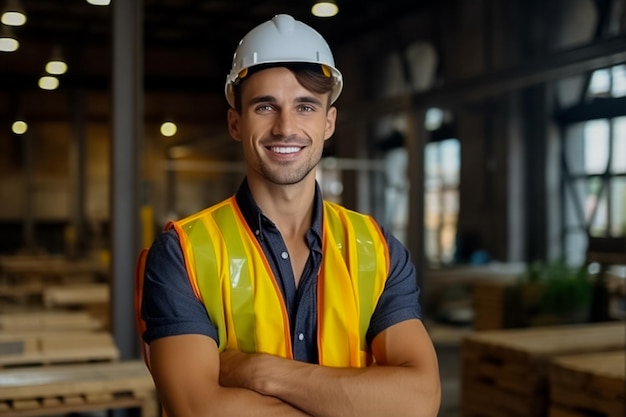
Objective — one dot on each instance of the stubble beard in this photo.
(285, 174)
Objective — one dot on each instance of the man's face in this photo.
(282, 126)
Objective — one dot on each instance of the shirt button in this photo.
(301, 336)
(284, 255)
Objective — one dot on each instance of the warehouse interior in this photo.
(488, 135)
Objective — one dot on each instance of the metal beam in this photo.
(598, 108)
(538, 70)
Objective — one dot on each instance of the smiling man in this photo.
(276, 302)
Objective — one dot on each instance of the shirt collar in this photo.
(255, 217)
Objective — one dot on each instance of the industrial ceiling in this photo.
(188, 44)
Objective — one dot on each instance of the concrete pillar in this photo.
(125, 169)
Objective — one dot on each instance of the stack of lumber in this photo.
(55, 363)
(55, 390)
(92, 298)
(588, 385)
(48, 337)
(505, 372)
(24, 279)
(42, 282)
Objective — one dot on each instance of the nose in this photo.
(284, 124)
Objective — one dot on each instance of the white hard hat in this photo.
(282, 40)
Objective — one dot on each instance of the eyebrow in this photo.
(262, 99)
(272, 99)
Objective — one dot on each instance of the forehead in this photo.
(274, 81)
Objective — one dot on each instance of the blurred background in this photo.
(488, 135)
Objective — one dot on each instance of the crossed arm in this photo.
(194, 379)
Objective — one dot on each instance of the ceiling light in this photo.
(48, 82)
(13, 14)
(99, 2)
(325, 8)
(8, 43)
(19, 127)
(168, 129)
(56, 65)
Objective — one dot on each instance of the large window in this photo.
(595, 175)
(442, 163)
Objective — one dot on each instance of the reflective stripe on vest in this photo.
(231, 276)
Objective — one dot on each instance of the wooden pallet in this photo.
(588, 385)
(505, 372)
(27, 392)
(48, 348)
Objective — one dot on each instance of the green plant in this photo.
(561, 288)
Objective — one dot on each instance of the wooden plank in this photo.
(51, 402)
(73, 400)
(56, 347)
(22, 290)
(48, 321)
(79, 294)
(48, 265)
(25, 404)
(64, 341)
(16, 344)
(100, 397)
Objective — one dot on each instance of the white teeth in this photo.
(289, 149)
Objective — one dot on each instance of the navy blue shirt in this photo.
(170, 307)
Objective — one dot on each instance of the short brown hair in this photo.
(309, 76)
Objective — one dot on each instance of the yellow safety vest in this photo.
(232, 277)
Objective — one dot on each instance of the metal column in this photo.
(415, 144)
(28, 226)
(78, 176)
(125, 169)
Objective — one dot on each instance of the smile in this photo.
(285, 149)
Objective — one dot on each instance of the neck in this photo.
(289, 207)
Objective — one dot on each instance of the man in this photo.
(275, 302)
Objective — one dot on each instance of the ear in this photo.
(331, 117)
(233, 124)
